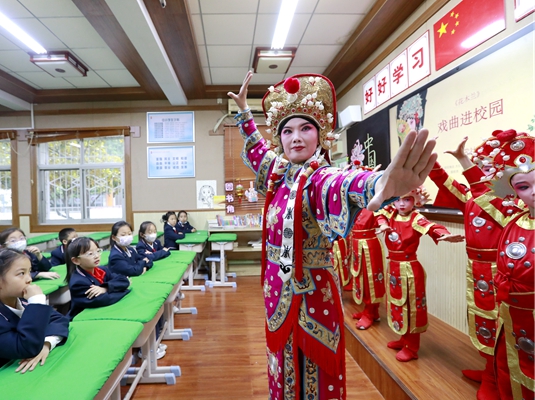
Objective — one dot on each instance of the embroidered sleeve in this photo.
(425, 227)
(449, 190)
(473, 175)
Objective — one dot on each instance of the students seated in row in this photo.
(91, 285)
(124, 259)
(15, 239)
(29, 328)
(170, 232)
(183, 225)
(58, 255)
(148, 245)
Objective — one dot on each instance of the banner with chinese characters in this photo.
(406, 69)
(495, 92)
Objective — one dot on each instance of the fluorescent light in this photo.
(18, 33)
(284, 21)
(484, 34)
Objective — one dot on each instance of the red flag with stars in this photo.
(465, 27)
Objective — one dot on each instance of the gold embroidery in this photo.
(319, 332)
(327, 293)
(279, 316)
(267, 289)
(312, 258)
(311, 380)
(289, 372)
(272, 216)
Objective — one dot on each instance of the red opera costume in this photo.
(367, 265)
(406, 297)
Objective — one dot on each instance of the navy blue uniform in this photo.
(81, 281)
(156, 250)
(58, 256)
(24, 337)
(128, 263)
(171, 235)
(37, 266)
(184, 228)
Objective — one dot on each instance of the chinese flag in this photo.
(466, 26)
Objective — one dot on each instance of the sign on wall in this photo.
(170, 127)
(171, 162)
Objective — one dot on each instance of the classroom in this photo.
(131, 110)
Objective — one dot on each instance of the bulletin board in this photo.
(171, 162)
(171, 127)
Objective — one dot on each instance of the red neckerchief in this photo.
(98, 274)
(150, 245)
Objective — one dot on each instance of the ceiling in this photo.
(189, 50)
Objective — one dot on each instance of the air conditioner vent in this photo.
(254, 104)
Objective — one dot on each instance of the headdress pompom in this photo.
(292, 85)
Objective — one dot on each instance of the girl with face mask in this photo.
(124, 259)
(148, 245)
(15, 239)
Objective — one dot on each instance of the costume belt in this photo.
(488, 255)
(364, 234)
(401, 256)
(521, 300)
(312, 258)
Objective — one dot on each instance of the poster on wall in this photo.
(206, 191)
(369, 141)
(473, 102)
(171, 162)
(171, 127)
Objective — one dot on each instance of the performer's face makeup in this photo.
(404, 205)
(299, 139)
(524, 187)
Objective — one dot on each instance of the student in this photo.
(170, 231)
(124, 259)
(15, 239)
(183, 225)
(29, 328)
(58, 255)
(91, 286)
(148, 245)
(405, 296)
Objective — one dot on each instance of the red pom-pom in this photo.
(357, 162)
(274, 177)
(506, 135)
(314, 165)
(292, 85)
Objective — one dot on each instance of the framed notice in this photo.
(171, 162)
(171, 127)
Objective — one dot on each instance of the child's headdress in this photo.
(419, 195)
(486, 151)
(514, 157)
(309, 96)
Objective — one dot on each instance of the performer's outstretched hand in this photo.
(241, 97)
(460, 154)
(452, 238)
(408, 170)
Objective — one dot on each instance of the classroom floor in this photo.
(226, 358)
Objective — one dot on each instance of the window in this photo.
(82, 180)
(6, 208)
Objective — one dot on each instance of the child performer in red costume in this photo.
(513, 176)
(367, 268)
(406, 298)
(482, 234)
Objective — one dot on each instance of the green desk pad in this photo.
(51, 285)
(104, 257)
(140, 305)
(99, 235)
(222, 237)
(46, 254)
(181, 256)
(171, 273)
(193, 238)
(41, 238)
(78, 369)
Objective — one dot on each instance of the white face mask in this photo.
(125, 240)
(151, 237)
(19, 245)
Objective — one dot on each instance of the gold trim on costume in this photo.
(316, 330)
(279, 315)
(448, 184)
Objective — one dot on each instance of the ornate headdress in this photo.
(310, 96)
(486, 151)
(514, 157)
(419, 195)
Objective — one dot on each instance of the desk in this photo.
(56, 290)
(222, 242)
(196, 242)
(43, 242)
(102, 238)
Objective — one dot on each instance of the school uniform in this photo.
(24, 330)
(81, 281)
(127, 262)
(156, 250)
(184, 228)
(57, 256)
(171, 235)
(37, 266)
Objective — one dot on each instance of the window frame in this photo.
(12, 136)
(47, 135)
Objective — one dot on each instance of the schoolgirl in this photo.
(183, 225)
(15, 239)
(148, 245)
(58, 254)
(29, 328)
(170, 231)
(124, 259)
(91, 285)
